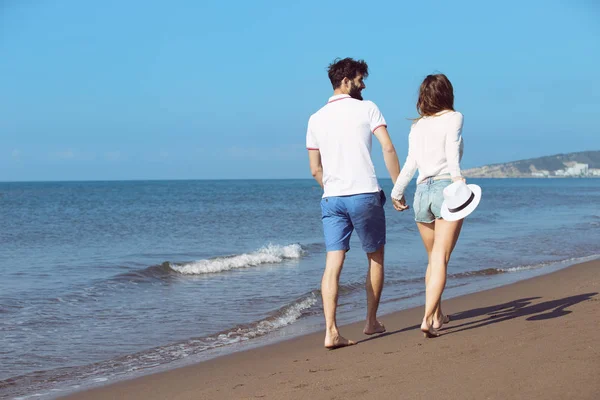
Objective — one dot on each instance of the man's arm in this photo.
(316, 168)
(389, 152)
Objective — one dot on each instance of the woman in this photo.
(435, 148)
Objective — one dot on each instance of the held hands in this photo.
(400, 205)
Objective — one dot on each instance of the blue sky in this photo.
(223, 89)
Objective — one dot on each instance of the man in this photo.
(339, 150)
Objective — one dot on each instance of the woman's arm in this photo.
(453, 145)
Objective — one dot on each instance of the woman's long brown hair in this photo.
(435, 94)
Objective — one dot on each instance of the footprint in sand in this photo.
(300, 386)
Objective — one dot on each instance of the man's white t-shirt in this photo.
(342, 131)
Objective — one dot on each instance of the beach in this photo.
(168, 215)
(534, 339)
(139, 278)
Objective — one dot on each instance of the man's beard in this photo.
(355, 92)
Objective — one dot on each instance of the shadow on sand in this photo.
(504, 312)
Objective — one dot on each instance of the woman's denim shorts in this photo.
(429, 198)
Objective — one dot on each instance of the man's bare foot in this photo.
(429, 331)
(337, 341)
(372, 329)
(438, 323)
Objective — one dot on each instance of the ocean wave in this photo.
(521, 268)
(496, 271)
(480, 272)
(156, 272)
(270, 254)
(286, 315)
(88, 374)
(573, 260)
(168, 272)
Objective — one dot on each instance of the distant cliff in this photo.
(581, 164)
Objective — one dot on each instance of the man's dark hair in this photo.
(346, 68)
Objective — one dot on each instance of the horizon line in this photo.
(215, 179)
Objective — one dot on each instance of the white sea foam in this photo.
(565, 262)
(522, 268)
(269, 254)
(287, 316)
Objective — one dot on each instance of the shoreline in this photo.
(302, 367)
(304, 326)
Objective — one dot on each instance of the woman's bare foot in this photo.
(438, 323)
(336, 341)
(428, 330)
(372, 329)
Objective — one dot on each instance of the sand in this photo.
(534, 339)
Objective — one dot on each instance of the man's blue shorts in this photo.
(363, 212)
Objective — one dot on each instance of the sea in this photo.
(105, 281)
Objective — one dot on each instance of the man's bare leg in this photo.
(374, 286)
(329, 292)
